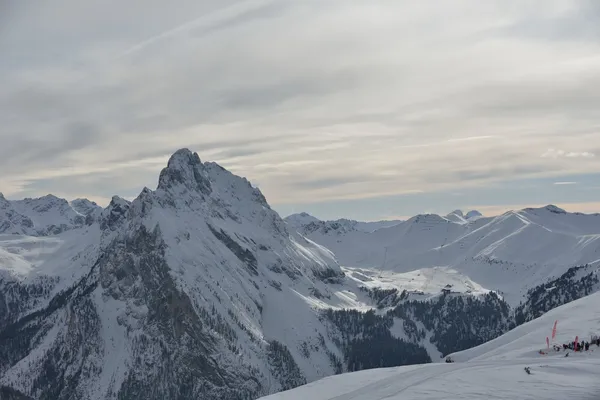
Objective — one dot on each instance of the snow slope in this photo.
(493, 370)
(510, 253)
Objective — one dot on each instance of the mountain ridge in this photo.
(199, 289)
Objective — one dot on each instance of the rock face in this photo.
(194, 290)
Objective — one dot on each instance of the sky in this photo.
(341, 108)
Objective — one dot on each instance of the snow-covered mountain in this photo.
(306, 224)
(493, 370)
(193, 290)
(511, 253)
(459, 217)
(198, 289)
(43, 216)
(86, 207)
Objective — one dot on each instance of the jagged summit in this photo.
(84, 206)
(184, 169)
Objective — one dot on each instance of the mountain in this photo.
(43, 216)
(300, 220)
(198, 289)
(510, 253)
(459, 217)
(473, 214)
(492, 370)
(195, 289)
(306, 224)
(86, 207)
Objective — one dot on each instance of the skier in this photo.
(528, 370)
(587, 346)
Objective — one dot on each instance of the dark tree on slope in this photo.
(574, 284)
(383, 351)
(7, 393)
(283, 366)
(459, 322)
(366, 341)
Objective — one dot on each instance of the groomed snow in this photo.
(494, 370)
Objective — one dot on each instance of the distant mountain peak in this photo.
(186, 169)
(473, 214)
(549, 208)
(85, 206)
(427, 219)
(554, 209)
(457, 212)
(115, 213)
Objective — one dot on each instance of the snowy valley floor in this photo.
(494, 370)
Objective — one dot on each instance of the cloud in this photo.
(374, 99)
(552, 153)
(565, 183)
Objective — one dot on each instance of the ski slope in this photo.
(492, 370)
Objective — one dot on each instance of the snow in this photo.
(67, 256)
(510, 253)
(302, 220)
(116, 358)
(430, 281)
(492, 370)
(40, 216)
(205, 215)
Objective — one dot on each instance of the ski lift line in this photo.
(384, 261)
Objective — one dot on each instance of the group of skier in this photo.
(582, 346)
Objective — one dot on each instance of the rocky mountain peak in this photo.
(115, 213)
(85, 206)
(184, 169)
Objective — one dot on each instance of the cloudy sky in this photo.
(363, 109)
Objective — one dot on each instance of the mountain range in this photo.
(199, 289)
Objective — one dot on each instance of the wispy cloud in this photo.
(565, 183)
(471, 138)
(552, 153)
(375, 99)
